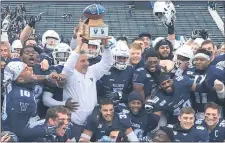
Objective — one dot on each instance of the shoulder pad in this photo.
(170, 126)
(222, 123)
(124, 120)
(179, 78)
(200, 127)
(37, 123)
(198, 122)
(219, 67)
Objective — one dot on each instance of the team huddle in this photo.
(111, 91)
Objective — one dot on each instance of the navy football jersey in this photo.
(195, 134)
(95, 60)
(179, 98)
(18, 106)
(213, 73)
(217, 134)
(143, 77)
(99, 127)
(176, 72)
(141, 123)
(57, 92)
(116, 81)
(199, 99)
(219, 61)
(140, 64)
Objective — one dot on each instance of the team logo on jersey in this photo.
(23, 106)
(175, 132)
(126, 111)
(99, 126)
(200, 127)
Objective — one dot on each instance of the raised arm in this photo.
(73, 58)
(106, 62)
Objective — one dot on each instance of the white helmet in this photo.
(95, 53)
(165, 11)
(199, 41)
(184, 51)
(16, 45)
(50, 34)
(121, 50)
(61, 53)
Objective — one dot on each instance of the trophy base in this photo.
(89, 38)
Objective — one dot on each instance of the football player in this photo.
(212, 122)
(19, 103)
(142, 122)
(183, 61)
(58, 117)
(172, 95)
(52, 95)
(146, 38)
(201, 70)
(107, 124)
(163, 134)
(136, 60)
(185, 131)
(143, 78)
(165, 48)
(117, 84)
(94, 51)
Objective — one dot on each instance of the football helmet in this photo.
(165, 11)
(184, 51)
(50, 39)
(16, 45)
(61, 53)
(121, 50)
(92, 53)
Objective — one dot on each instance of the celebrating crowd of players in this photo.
(143, 91)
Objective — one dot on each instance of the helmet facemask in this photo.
(61, 53)
(120, 62)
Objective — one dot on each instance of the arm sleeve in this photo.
(70, 63)
(104, 65)
(49, 101)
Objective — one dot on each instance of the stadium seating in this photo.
(190, 16)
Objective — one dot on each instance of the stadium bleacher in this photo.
(190, 16)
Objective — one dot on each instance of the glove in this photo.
(105, 139)
(34, 19)
(149, 104)
(170, 29)
(111, 43)
(204, 34)
(50, 130)
(194, 34)
(114, 95)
